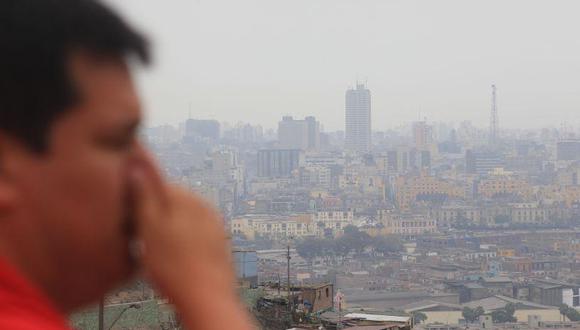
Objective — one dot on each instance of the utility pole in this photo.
(279, 285)
(338, 300)
(102, 314)
(134, 306)
(288, 273)
(493, 120)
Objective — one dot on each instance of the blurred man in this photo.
(76, 187)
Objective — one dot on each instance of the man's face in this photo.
(77, 192)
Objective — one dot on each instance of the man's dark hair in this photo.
(37, 38)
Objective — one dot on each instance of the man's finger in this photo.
(152, 172)
(148, 197)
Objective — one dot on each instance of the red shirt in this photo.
(23, 306)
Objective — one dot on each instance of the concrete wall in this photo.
(452, 317)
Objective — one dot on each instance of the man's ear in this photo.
(12, 154)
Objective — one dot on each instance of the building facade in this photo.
(278, 163)
(299, 134)
(358, 119)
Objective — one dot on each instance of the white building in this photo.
(358, 119)
(271, 226)
(331, 222)
(315, 175)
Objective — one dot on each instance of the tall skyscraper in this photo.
(313, 133)
(276, 163)
(202, 128)
(422, 135)
(299, 134)
(482, 163)
(568, 150)
(358, 119)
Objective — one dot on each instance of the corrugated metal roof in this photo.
(377, 317)
(499, 301)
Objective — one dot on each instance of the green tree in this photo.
(462, 222)
(309, 248)
(353, 240)
(467, 314)
(471, 315)
(386, 244)
(505, 315)
(350, 230)
(501, 219)
(571, 313)
(418, 317)
(563, 311)
(342, 247)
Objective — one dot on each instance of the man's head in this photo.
(68, 120)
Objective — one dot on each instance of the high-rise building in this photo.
(451, 145)
(278, 163)
(358, 119)
(482, 163)
(244, 133)
(202, 129)
(422, 135)
(403, 159)
(299, 134)
(568, 150)
(313, 133)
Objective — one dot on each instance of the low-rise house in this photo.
(452, 313)
(315, 298)
(554, 293)
(498, 285)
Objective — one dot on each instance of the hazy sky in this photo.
(257, 60)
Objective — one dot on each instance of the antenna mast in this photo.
(493, 120)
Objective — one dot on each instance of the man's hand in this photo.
(186, 253)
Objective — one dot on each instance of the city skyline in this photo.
(227, 61)
(308, 165)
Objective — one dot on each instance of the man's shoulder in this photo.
(23, 306)
(18, 318)
(30, 325)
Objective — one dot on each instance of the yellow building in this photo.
(567, 246)
(445, 216)
(453, 317)
(362, 182)
(317, 224)
(568, 176)
(331, 222)
(529, 213)
(319, 193)
(567, 195)
(275, 227)
(503, 184)
(375, 232)
(406, 224)
(408, 188)
(446, 313)
(506, 252)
